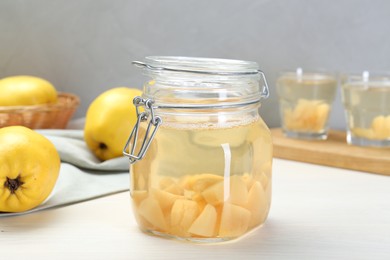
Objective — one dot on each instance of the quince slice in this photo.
(138, 196)
(379, 130)
(381, 127)
(151, 211)
(175, 189)
(248, 179)
(165, 199)
(200, 182)
(204, 225)
(183, 214)
(257, 204)
(234, 220)
(238, 193)
(214, 194)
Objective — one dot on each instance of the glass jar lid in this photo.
(189, 82)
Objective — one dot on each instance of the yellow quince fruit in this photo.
(109, 121)
(29, 168)
(26, 91)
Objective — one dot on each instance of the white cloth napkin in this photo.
(82, 176)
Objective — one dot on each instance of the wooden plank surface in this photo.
(332, 152)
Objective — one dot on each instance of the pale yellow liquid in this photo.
(185, 160)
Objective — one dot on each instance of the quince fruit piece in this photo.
(164, 198)
(138, 196)
(381, 127)
(256, 204)
(234, 220)
(109, 121)
(205, 224)
(200, 182)
(214, 194)
(379, 130)
(26, 91)
(236, 193)
(150, 210)
(29, 168)
(175, 189)
(183, 214)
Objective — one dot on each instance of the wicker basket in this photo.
(54, 116)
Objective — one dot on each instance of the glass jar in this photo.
(305, 99)
(366, 100)
(200, 154)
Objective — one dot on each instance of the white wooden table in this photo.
(317, 213)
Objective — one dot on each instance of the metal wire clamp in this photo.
(153, 125)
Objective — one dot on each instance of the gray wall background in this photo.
(86, 46)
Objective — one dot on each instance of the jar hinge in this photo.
(153, 125)
(265, 90)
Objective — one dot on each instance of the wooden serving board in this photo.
(332, 152)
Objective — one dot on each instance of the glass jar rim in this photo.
(213, 66)
(309, 74)
(365, 79)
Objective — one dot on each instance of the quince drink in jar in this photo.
(366, 100)
(202, 172)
